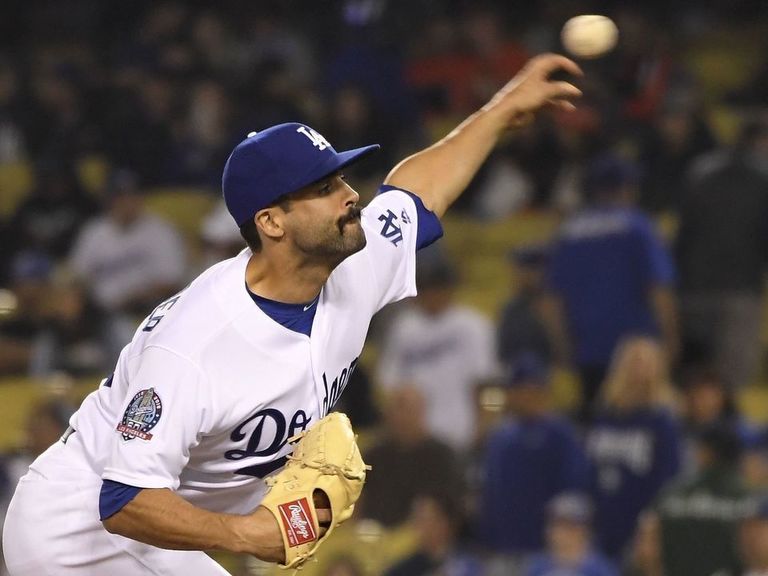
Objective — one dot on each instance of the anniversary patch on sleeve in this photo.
(142, 414)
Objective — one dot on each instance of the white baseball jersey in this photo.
(445, 356)
(118, 263)
(205, 396)
(210, 389)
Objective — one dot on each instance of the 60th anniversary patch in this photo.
(142, 414)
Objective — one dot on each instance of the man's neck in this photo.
(285, 279)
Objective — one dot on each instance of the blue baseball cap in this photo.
(608, 173)
(277, 161)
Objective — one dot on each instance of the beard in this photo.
(332, 241)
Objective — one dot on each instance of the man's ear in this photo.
(270, 222)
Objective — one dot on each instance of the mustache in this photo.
(353, 214)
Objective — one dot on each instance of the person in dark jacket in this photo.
(699, 516)
(522, 326)
(721, 256)
(533, 456)
(407, 451)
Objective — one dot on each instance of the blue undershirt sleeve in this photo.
(114, 496)
(429, 228)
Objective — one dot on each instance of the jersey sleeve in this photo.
(428, 227)
(166, 410)
(656, 260)
(396, 225)
(113, 497)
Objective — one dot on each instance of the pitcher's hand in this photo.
(531, 90)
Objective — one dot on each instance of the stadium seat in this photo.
(15, 180)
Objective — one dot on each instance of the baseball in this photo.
(589, 35)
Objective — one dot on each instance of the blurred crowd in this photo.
(653, 471)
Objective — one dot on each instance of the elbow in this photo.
(114, 525)
(111, 524)
(114, 498)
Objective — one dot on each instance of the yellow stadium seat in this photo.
(16, 179)
(724, 59)
(19, 395)
(185, 208)
(93, 172)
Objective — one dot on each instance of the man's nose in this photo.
(351, 197)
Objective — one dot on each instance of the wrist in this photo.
(256, 534)
(505, 114)
(496, 114)
(237, 534)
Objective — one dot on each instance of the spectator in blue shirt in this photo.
(635, 443)
(610, 276)
(533, 456)
(569, 542)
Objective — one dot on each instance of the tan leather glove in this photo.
(326, 458)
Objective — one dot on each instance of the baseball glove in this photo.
(326, 459)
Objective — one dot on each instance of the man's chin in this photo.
(350, 245)
(351, 239)
(359, 241)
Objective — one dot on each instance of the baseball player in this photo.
(174, 452)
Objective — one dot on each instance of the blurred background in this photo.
(580, 387)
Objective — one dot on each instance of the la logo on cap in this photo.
(315, 137)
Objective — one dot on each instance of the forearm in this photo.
(163, 519)
(440, 173)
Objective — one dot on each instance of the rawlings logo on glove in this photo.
(297, 522)
(325, 459)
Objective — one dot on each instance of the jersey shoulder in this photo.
(389, 222)
(188, 321)
(389, 219)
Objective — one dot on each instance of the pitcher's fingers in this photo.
(564, 105)
(549, 63)
(324, 515)
(563, 90)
